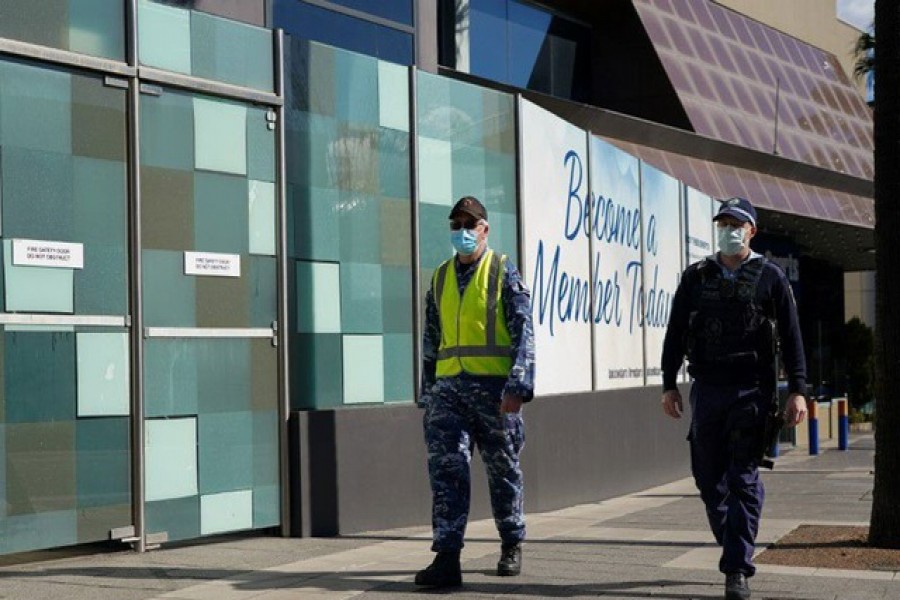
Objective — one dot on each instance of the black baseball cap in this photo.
(471, 206)
(739, 208)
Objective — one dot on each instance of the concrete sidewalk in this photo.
(653, 543)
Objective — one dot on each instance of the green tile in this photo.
(38, 194)
(469, 165)
(360, 298)
(225, 452)
(169, 294)
(36, 289)
(314, 219)
(359, 229)
(223, 301)
(435, 172)
(220, 213)
(95, 522)
(500, 183)
(363, 360)
(100, 195)
(504, 234)
(262, 217)
(167, 209)
(318, 297)
(263, 375)
(170, 447)
(35, 106)
(167, 131)
(398, 368)
(396, 299)
(393, 163)
(98, 118)
(170, 378)
(433, 105)
(3, 478)
(393, 96)
(97, 27)
(266, 506)
(260, 146)
(231, 51)
(103, 374)
(101, 288)
(21, 533)
(39, 376)
(306, 137)
(103, 462)
(228, 511)
(396, 238)
(164, 34)
(44, 23)
(220, 136)
(263, 289)
(40, 468)
(316, 374)
(356, 79)
(223, 375)
(179, 517)
(265, 449)
(312, 85)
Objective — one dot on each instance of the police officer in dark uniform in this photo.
(724, 316)
(478, 369)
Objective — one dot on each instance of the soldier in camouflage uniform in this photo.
(478, 370)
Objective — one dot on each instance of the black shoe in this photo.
(510, 560)
(736, 587)
(444, 571)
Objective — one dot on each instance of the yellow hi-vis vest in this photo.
(474, 337)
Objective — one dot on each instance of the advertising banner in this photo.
(616, 267)
(661, 213)
(698, 230)
(554, 204)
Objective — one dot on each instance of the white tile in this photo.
(363, 369)
(318, 297)
(262, 217)
(393, 96)
(103, 374)
(220, 136)
(435, 171)
(171, 458)
(228, 511)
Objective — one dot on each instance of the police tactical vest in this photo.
(726, 327)
(474, 337)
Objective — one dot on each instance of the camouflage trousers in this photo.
(460, 414)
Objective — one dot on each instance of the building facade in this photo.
(219, 219)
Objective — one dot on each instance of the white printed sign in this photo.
(40, 253)
(698, 235)
(212, 264)
(616, 228)
(554, 184)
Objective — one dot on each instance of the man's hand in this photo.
(672, 404)
(511, 403)
(794, 410)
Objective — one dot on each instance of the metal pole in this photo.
(414, 224)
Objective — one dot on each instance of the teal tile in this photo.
(39, 376)
(97, 28)
(220, 213)
(398, 368)
(263, 284)
(306, 137)
(499, 183)
(266, 506)
(43, 23)
(434, 236)
(223, 375)
(36, 289)
(101, 287)
(179, 517)
(469, 100)
(360, 232)
(100, 202)
(265, 448)
(164, 34)
(3, 479)
(396, 299)
(231, 51)
(393, 163)
(318, 297)
(469, 165)
(262, 217)
(38, 194)
(311, 88)
(316, 374)
(260, 146)
(313, 221)
(170, 378)
(220, 136)
(356, 86)
(435, 172)
(363, 360)
(393, 96)
(504, 234)
(432, 104)
(169, 294)
(21, 533)
(103, 374)
(35, 108)
(227, 511)
(225, 451)
(102, 462)
(360, 297)
(170, 447)
(167, 131)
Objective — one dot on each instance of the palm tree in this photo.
(884, 529)
(864, 53)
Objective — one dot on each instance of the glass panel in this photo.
(262, 217)
(363, 369)
(229, 511)
(103, 374)
(395, 10)
(171, 458)
(164, 34)
(220, 136)
(94, 27)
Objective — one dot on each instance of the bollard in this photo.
(813, 427)
(843, 425)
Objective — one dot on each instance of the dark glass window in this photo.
(395, 10)
(305, 21)
(519, 44)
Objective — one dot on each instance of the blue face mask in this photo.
(465, 241)
(730, 240)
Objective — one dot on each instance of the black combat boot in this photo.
(444, 571)
(736, 587)
(510, 560)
